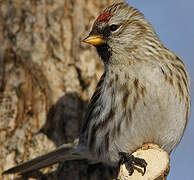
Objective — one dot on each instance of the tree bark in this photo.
(47, 76)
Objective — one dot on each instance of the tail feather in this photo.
(62, 153)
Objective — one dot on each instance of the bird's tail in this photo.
(63, 153)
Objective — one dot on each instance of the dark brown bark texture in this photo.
(47, 76)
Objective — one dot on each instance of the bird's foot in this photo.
(132, 162)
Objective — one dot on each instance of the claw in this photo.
(132, 162)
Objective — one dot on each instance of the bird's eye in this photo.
(114, 27)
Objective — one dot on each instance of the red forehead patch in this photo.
(104, 17)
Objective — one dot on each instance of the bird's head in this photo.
(118, 31)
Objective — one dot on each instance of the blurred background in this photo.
(173, 22)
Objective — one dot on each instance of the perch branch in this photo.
(157, 164)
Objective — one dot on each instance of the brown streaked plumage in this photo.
(143, 95)
(126, 95)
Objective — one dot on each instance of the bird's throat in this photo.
(104, 52)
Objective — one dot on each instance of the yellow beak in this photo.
(94, 40)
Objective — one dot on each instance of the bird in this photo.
(142, 97)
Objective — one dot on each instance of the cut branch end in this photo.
(157, 164)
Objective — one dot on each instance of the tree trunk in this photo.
(47, 76)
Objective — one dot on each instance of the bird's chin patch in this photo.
(104, 51)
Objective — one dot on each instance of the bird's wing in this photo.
(92, 104)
